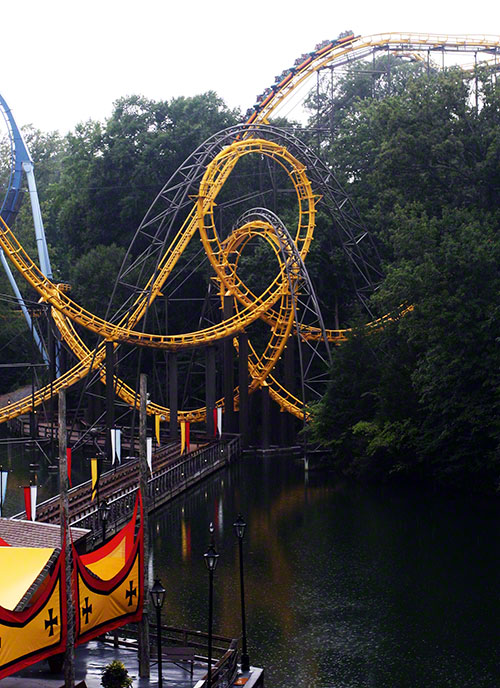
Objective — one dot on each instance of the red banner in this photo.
(30, 494)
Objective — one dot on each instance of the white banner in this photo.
(149, 453)
(113, 444)
(118, 445)
(33, 493)
(219, 421)
(3, 489)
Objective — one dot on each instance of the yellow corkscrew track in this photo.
(274, 305)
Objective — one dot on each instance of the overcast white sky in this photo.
(65, 61)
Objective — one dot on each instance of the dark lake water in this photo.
(346, 586)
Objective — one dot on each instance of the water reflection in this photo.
(345, 586)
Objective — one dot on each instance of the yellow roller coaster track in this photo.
(347, 49)
(274, 305)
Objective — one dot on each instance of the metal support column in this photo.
(289, 363)
(266, 407)
(243, 388)
(173, 391)
(210, 389)
(228, 368)
(52, 375)
(110, 395)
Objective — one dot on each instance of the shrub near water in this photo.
(115, 675)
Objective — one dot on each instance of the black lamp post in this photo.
(239, 527)
(157, 593)
(211, 558)
(104, 511)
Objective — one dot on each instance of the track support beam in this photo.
(228, 368)
(210, 392)
(243, 388)
(173, 395)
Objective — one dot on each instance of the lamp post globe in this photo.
(239, 527)
(157, 593)
(211, 557)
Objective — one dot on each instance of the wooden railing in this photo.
(174, 475)
(164, 484)
(224, 650)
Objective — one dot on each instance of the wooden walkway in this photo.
(172, 474)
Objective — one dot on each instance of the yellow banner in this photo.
(157, 428)
(94, 469)
(98, 608)
(183, 436)
(41, 633)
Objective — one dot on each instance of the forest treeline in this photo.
(419, 153)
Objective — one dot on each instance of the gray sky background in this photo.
(66, 61)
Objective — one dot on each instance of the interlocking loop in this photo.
(253, 307)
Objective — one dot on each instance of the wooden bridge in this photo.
(172, 474)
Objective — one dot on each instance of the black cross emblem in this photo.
(87, 610)
(130, 593)
(51, 622)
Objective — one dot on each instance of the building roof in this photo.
(19, 533)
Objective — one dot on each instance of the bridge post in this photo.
(143, 626)
(243, 388)
(228, 367)
(210, 390)
(69, 656)
(173, 393)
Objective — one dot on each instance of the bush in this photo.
(115, 675)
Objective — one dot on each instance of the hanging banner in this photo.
(109, 583)
(118, 445)
(219, 420)
(37, 632)
(30, 502)
(157, 429)
(183, 436)
(95, 473)
(215, 422)
(149, 453)
(68, 463)
(3, 489)
(187, 435)
(112, 433)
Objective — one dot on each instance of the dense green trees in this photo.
(421, 396)
(110, 173)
